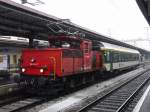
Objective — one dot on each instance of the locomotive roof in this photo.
(108, 46)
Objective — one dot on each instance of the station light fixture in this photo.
(37, 2)
(24, 1)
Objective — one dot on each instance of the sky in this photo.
(118, 19)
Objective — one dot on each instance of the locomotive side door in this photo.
(87, 60)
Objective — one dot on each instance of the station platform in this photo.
(144, 103)
(4, 81)
(8, 86)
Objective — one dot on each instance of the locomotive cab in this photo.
(66, 56)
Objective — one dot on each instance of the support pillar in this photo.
(30, 42)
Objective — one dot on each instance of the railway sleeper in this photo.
(118, 97)
(109, 103)
(102, 110)
(107, 106)
(113, 101)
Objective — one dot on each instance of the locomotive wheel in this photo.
(72, 83)
(92, 77)
(83, 80)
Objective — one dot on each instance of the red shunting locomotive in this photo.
(67, 58)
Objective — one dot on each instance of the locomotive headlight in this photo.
(23, 69)
(41, 70)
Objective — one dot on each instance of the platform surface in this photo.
(144, 103)
(6, 81)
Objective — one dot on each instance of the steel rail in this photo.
(9, 100)
(85, 108)
(39, 101)
(132, 96)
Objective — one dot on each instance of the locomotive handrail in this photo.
(54, 59)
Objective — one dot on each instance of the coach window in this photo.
(130, 57)
(108, 57)
(104, 56)
(137, 57)
(127, 56)
(119, 54)
(121, 58)
(115, 56)
(133, 57)
(1, 59)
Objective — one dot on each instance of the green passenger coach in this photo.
(119, 58)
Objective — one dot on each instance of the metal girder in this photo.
(18, 20)
(19, 24)
(24, 20)
(13, 29)
(26, 12)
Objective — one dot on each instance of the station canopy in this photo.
(144, 5)
(22, 21)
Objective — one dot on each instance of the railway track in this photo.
(118, 99)
(11, 98)
(21, 102)
(24, 103)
